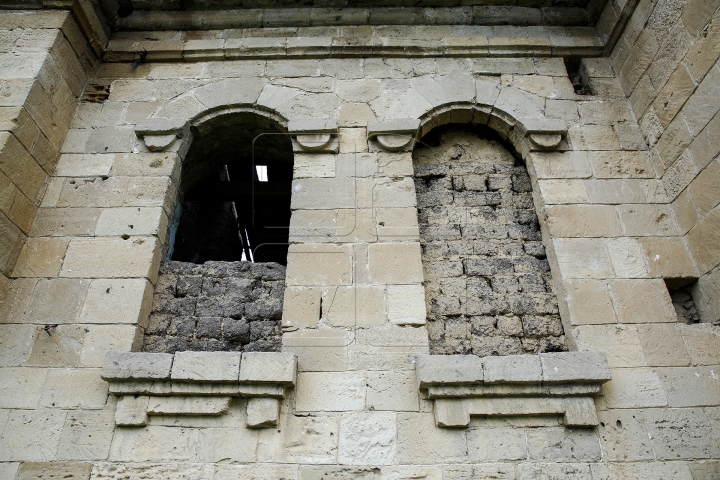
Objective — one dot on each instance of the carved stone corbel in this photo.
(314, 135)
(393, 135)
(544, 134)
(160, 133)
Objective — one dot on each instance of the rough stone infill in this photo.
(488, 284)
(217, 306)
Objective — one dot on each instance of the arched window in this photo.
(487, 280)
(221, 287)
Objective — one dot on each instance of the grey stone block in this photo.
(268, 367)
(398, 125)
(512, 369)
(161, 126)
(575, 367)
(448, 369)
(206, 366)
(313, 125)
(136, 365)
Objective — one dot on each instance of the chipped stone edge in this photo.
(159, 133)
(128, 382)
(559, 383)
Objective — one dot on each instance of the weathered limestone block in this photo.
(131, 411)
(136, 365)
(206, 366)
(330, 392)
(406, 304)
(103, 258)
(574, 367)
(395, 263)
(367, 438)
(212, 406)
(436, 369)
(314, 265)
(319, 350)
(262, 412)
(54, 470)
(512, 368)
(267, 367)
(117, 301)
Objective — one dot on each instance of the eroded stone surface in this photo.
(487, 280)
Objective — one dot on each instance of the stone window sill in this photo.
(562, 383)
(198, 383)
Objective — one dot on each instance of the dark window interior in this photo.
(235, 193)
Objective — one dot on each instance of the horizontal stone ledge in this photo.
(545, 368)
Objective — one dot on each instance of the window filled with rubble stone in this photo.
(222, 286)
(487, 280)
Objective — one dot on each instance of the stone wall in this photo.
(667, 61)
(217, 306)
(488, 285)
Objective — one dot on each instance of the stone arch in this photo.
(489, 289)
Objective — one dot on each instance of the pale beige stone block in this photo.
(110, 258)
(390, 335)
(703, 188)
(393, 391)
(319, 350)
(128, 221)
(690, 386)
(268, 367)
(313, 226)
(154, 443)
(93, 192)
(359, 305)
(663, 345)
(550, 165)
(262, 412)
(393, 192)
(647, 220)
(83, 165)
(562, 445)
(406, 304)
(16, 342)
(162, 164)
(301, 306)
(206, 366)
(593, 137)
(9, 469)
(357, 165)
(305, 439)
(150, 192)
(131, 411)
(703, 241)
(395, 164)
(634, 388)
(583, 258)
(319, 265)
(582, 221)
(87, 436)
(395, 263)
(41, 257)
(353, 140)
(330, 392)
(681, 433)
(355, 115)
(57, 346)
(356, 226)
(65, 222)
(397, 224)
(307, 165)
(35, 438)
(621, 164)
(668, 257)
(323, 193)
(616, 191)
(563, 191)
(628, 257)
(702, 342)
(112, 470)
(21, 387)
(421, 442)
(704, 292)
(101, 339)
(260, 471)
(623, 435)
(642, 301)
(668, 469)
(367, 438)
(125, 301)
(80, 388)
(620, 343)
(589, 302)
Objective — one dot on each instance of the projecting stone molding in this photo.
(562, 383)
(159, 133)
(198, 384)
(393, 135)
(314, 135)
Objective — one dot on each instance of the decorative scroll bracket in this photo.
(314, 135)
(544, 134)
(198, 384)
(562, 383)
(393, 135)
(160, 133)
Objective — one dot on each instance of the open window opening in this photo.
(696, 300)
(681, 294)
(487, 279)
